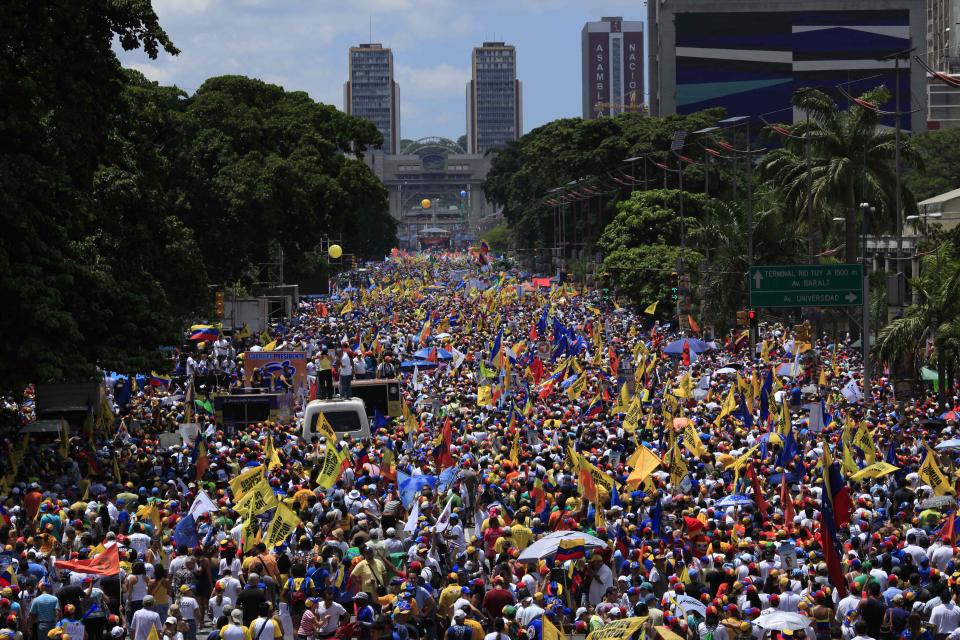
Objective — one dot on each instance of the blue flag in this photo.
(125, 392)
(409, 486)
(790, 449)
(185, 533)
(765, 391)
(378, 420)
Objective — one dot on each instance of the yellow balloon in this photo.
(425, 203)
(335, 251)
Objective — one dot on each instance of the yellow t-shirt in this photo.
(448, 596)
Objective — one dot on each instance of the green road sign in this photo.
(806, 285)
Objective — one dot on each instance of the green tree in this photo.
(523, 175)
(259, 165)
(642, 245)
(61, 81)
(933, 315)
(498, 238)
(940, 153)
(851, 161)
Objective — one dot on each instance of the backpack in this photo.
(298, 593)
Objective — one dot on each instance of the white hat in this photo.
(580, 612)
(459, 614)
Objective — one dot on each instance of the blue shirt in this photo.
(44, 607)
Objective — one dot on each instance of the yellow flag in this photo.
(644, 462)
(270, 346)
(332, 466)
(346, 308)
(691, 440)
(863, 440)
(550, 631)
(326, 430)
(484, 395)
(246, 481)
(931, 474)
(250, 533)
(283, 523)
(678, 467)
(850, 467)
(515, 448)
(651, 308)
(153, 635)
(729, 405)
(632, 420)
(875, 470)
(576, 389)
(259, 498)
(270, 453)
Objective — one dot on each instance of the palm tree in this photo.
(721, 237)
(935, 315)
(851, 161)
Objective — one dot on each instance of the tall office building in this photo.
(612, 52)
(943, 35)
(371, 93)
(494, 101)
(749, 56)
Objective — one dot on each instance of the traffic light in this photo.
(674, 293)
(219, 304)
(752, 316)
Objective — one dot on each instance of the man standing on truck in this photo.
(324, 375)
(346, 372)
(386, 369)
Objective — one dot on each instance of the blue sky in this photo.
(302, 45)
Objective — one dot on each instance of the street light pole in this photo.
(865, 209)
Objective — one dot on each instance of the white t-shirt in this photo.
(335, 612)
(188, 607)
(946, 617)
(346, 365)
(216, 608)
(264, 628)
(602, 579)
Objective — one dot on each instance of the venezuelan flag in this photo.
(424, 332)
(204, 332)
(595, 408)
(570, 549)
(159, 380)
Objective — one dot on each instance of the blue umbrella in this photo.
(675, 348)
(776, 478)
(948, 444)
(420, 364)
(424, 353)
(734, 500)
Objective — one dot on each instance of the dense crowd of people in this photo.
(561, 465)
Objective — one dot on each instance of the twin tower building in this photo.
(612, 82)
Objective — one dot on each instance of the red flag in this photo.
(686, 353)
(614, 361)
(441, 451)
(432, 356)
(322, 310)
(536, 367)
(757, 493)
(949, 533)
(786, 500)
(313, 390)
(546, 390)
(832, 555)
(533, 335)
(693, 324)
(104, 564)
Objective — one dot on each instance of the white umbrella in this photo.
(781, 620)
(689, 604)
(547, 545)
(725, 371)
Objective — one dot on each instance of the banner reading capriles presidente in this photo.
(280, 371)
